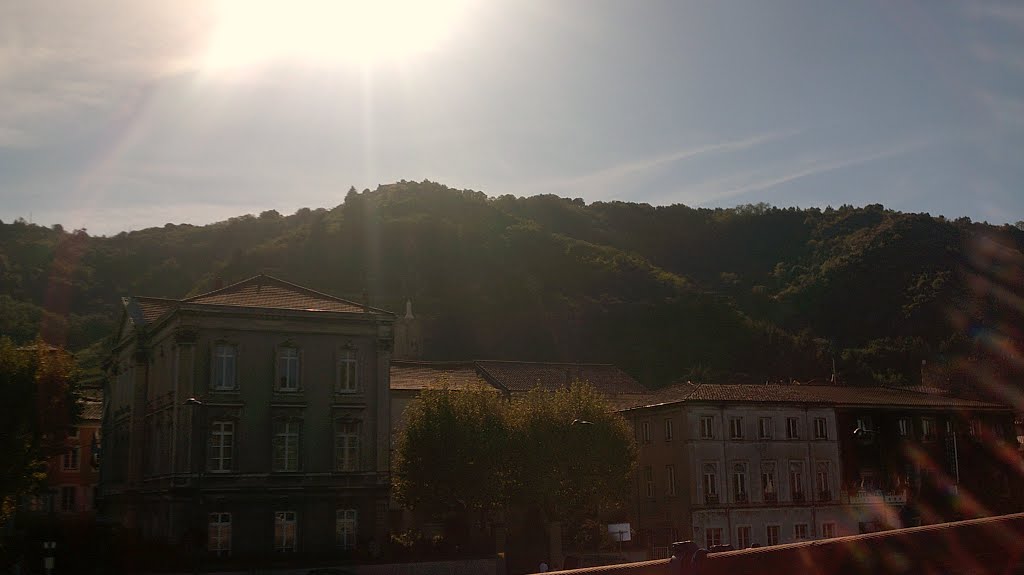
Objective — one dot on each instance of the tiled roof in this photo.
(151, 308)
(92, 411)
(518, 376)
(264, 291)
(417, 375)
(822, 394)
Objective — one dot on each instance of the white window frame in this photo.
(645, 431)
(649, 479)
(712, 536)
(670, 480)
(347, 445)
(822, 478)
(797, 535)
(286, 531)
(346, 528)
(796, 479)
(289, 369)
(820, 428)
(769, 479)
(764, 428)
(740, 482)
(347, 371)
(221, 446)
(904, 427)
(707, 427)
(71, 459)
(743, 536)
(792, 428)
(735, 428)
(928, 429)
(828, 530)
(287, 444)
(771, 534)
(865, 422)
(709, 480)
(218, 533)
(669, 432)
(224, 368)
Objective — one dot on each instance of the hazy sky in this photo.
(125, 114)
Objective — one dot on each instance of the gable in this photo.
(268, 292)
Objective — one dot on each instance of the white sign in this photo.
(619, 531)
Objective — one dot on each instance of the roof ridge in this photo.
(281, 282)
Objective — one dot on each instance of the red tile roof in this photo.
(264, 291)
(417, 375)
(153, 307)
(519, 376)
(821, 394)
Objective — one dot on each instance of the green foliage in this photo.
(37, 408)
(564, 452)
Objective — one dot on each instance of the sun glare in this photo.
(251, 32)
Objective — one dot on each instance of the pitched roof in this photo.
(265, 291)
(149, 309)
(823, 394)
(418, 375)
(518, 376)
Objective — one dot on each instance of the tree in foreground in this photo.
(37, 410)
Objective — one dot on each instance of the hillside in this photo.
(741, 294)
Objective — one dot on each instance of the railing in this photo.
(876, 496)
(711, 499)
(798, 497)
(741, 497)
(825, 495)
(771, 497)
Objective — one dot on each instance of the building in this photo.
(250, 420)
(73, 476)
(747, 465)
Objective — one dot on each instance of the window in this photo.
(67, 499)
(219, 534)
(645, 431)
(820, 428)
(707, 430)
(904, 426)
(739, 482)
(713, 536)
(649, 479)
(769, 488)
(346, 527)
(346, 446)
(792, 428)
(864, 422)
(286, 444)
(736, 428)
(222, 443)
(710, 483)
(974, 428)
(287, 369)
(927, 429)
(821, 482)
(828, 530)
(796, 481)
(73, 434)
(800, 532)
(867, 481)
(771, 535)
(284, 531)
(70, 460)
(224, 357)
(348, 372)
(743, 537)
(668, 430)
(670, 480)
(764, 428)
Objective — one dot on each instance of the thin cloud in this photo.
(609, 176)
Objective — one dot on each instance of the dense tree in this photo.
(37, 410)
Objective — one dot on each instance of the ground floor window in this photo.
(346, 526)
(828, 530)
(712, 537)
(800, 531)
(771, 534)
(285, 531)
(743, 537)
(219, 534)
(67, 499)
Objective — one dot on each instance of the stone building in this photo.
(253, 419)
(746, 465)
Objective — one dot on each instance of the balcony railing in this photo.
(798, 496)
(866, 497)
(742, 497)
(711, 499)
(771, 497)
(825, 495)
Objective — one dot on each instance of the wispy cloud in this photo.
(715, 191)
(609, 177)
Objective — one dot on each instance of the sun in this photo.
(324, 32)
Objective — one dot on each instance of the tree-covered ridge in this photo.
(666, 292)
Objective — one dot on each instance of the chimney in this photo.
(218, 282)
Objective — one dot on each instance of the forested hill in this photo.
(744, 294)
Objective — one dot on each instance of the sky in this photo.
(120, 115)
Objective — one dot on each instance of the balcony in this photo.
(742, 497)
(771, 497)
(869, 497)
(711, 499)
(798, 497)
(825, 495)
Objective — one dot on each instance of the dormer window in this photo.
(288, 365)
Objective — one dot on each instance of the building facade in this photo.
(250, 420)
(749, 465)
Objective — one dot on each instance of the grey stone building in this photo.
(250, 420)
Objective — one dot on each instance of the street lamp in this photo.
(198, 404)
